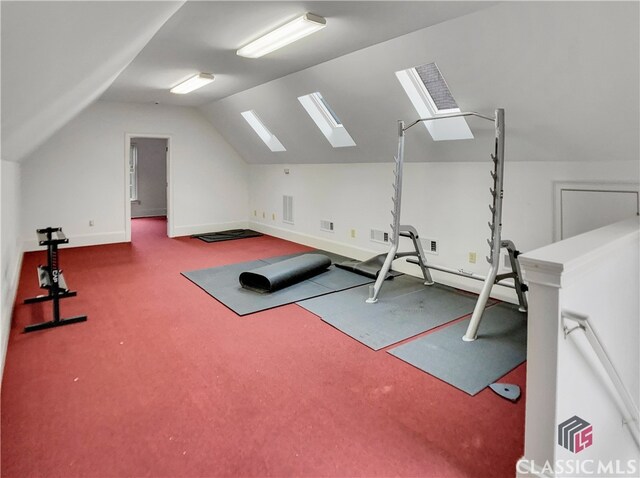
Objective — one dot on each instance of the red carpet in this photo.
(164, 381)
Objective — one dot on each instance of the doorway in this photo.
(147, 179)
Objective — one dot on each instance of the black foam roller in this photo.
(285, 273)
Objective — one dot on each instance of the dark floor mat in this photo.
(406, 308)
(471, 366)
(222, 284)
(229, 235)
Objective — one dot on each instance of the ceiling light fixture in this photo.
(288, 33)
(193, 83)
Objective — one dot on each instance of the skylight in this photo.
(428, 91)
(326, 119)
(436, 86)
(265, 135)
(323, 105)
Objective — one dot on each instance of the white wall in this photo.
(10, 248)
(80, 174)
(152, 178)
(445, 201)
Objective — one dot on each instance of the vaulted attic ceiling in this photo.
(204, 37)
(58, 57)
(566, 73)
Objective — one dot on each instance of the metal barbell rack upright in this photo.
(495, 225)
(398, 229)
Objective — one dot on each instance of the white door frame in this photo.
(127, 184)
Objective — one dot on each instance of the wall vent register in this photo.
(287, 209)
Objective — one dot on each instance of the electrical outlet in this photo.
(353, 233)
(472, 257)
(286, 171)
(91, 223)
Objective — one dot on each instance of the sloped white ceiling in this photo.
(58, 57)
(204, 37)
(567, 74)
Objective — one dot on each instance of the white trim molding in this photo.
(587, 186)
(127, 201)
(81, 240)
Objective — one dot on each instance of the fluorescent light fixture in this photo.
(265, 135)
(288, 33)
(193, 83)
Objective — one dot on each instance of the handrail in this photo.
(630, 415)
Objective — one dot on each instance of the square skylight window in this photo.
(263, 132)
(428, 91)
(326, 119)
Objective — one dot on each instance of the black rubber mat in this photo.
(229, 235)
(471, 366)
(222, 283)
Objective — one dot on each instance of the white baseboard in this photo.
(202, 228)
(314, 241)
(7, 312)
(470, 285)
(81, 240)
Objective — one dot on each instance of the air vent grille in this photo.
(430, 246)
(379, 236)
(287, 209)
(326, 226)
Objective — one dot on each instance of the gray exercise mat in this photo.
(400, 313)
(350, 298)
(222, 284)
(471, 366)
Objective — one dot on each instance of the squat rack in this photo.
(495, 225)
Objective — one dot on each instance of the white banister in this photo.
(630, 411)
(596, 273)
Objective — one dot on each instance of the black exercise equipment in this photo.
(229, 235)
(50, 278)
(284, 273)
